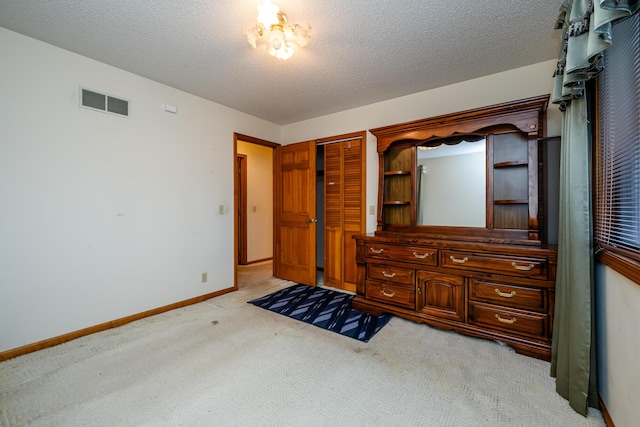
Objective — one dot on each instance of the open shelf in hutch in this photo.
(397, 194)
(494, 281)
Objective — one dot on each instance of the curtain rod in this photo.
(338, 140)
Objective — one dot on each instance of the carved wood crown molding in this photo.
(521, 114)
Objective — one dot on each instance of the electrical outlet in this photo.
(204, 277)
(220, 209)
(372, 210)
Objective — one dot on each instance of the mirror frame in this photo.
(526, 116)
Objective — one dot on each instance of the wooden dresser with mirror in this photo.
(461, 241)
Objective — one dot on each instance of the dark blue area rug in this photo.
(324, 308)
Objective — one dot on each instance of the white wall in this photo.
(618, 343)
(525, 82)
(259, 200)
(102, 216)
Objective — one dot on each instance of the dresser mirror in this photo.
(451, 180)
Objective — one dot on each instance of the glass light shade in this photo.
(253, 35)
(268, 14)
(278, 45)
(276, 40)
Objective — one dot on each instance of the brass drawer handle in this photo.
(417, 255)
(507, 321)
(506, 295)
(388, 294)
(522, 267)
(458, 261)
(388, 275)
(376, 251)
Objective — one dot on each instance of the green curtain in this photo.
(586, 26)
(573, 342)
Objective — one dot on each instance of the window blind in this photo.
(617, 156)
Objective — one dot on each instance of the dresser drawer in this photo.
(385, 273)
(513, 266)
(520, 322)
(391, 293)
(414, 254)
(509, 295)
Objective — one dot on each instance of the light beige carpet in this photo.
(224, 362)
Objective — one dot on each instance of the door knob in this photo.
(312, 220)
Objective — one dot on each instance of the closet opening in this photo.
(320, 214)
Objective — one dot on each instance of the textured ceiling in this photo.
(361, 51)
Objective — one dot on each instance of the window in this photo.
(617, 147)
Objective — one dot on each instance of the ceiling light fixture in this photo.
(274, 34)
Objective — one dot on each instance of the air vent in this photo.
(102, 102)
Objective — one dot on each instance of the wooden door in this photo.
(344, 172)
(333, 209)
(354, 221)
(441, 295)
(295, 222)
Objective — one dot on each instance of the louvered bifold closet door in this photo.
(344, 183)
(333, 209)
(353, 221)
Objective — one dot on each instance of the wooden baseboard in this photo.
(51, 342)
(605, 413)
